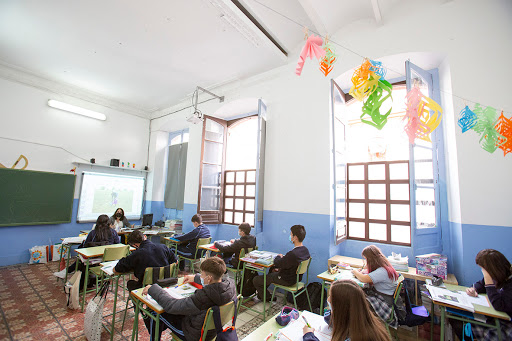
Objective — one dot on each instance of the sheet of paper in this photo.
(480, 300)
(450, 297)
(150, 232)
(108, 268)
(73, 240)
(293, 331)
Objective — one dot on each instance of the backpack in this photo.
(249, 288)
(315, 296)
(410, 319)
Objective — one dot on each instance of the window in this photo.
(231, 173)
(178, 137)
(389, 186)
(378, 205)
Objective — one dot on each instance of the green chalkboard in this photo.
(35, 198)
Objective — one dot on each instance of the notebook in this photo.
(293, 331)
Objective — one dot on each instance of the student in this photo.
(497, 284)
(231, 252)
(188, 248)
(285, 267)
(185, 316)
(101, 234)
(147, 255)
(351, 317)
(383, 278)
(119, 221)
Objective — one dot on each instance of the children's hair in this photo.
(496, 264)
(351, 316)
(245, 228)
(214, 266)
(298, 231)
(136, 237)
(196, 218)
(122, 213)
(376, 259)
(102, 228)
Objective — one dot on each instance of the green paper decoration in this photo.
(371, 106)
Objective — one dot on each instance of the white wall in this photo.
(26, 116)
(474, 35)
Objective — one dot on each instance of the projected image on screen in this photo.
(103, 193)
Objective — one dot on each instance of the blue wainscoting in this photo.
(16, 240)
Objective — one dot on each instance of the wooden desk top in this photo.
(97, 251)
(251, 261)
(358, 263)
(153, 305)
(157, 230)
(209, 248)
(170, 239)
(488, 311)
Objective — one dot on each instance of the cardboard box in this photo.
(432, 264)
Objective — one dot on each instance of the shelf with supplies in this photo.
(84, 164)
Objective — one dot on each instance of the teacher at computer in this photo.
(118, 220)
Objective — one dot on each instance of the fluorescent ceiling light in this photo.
(76, 110)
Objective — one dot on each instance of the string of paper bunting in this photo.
(423, 115)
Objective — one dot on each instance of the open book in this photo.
(178, 292)
(108, 267)
(293, 331)
(450, 297)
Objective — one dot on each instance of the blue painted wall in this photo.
(16, 240)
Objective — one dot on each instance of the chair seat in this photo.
(96, 270)
(292, 288)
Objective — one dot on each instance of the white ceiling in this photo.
(148, 55)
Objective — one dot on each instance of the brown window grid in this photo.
(243, 197)
(366, 201)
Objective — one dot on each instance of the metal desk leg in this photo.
(432, 315)
(242, 283)
(265, 293)
(443, 310)
(499, 328)
(157, 326)
(322, 298)
(67, 262)
(135, 330)
(114, 311)
(85, 282)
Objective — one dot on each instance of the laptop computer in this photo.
(147, 219)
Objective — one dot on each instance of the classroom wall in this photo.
(26, 116)
(297, 185)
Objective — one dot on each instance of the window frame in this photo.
(212, 216)
(217, 216)
(244, 211)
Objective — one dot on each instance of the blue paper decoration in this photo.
(467, 119)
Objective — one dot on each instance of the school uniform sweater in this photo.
(194, 307)
(244, 242)
(201, 231)
(289, 263)
(148, 255)
(501, 299)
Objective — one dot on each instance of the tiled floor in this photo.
(33, 307)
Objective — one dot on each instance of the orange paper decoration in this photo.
(326, 64)
(504, 127)
(364, 81)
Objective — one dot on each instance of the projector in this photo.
(196, 117)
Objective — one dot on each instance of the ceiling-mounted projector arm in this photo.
(196, 93)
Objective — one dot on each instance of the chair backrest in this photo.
(301, 269)
(115, 253)
(242, 255)
(202, 241)
(148, 273)
(399, 284)
(227, 312)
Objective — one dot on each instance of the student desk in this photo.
(487, 311)
(139, 301)
(87, 254)
(252, 265)
(172, 243)
(116, 285)
(411, 274)
(326, 277)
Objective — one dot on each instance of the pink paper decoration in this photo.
(313, 48)
(420, 122)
